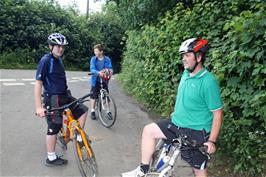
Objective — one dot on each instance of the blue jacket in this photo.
(95, 70)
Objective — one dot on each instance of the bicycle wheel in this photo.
(86, 160)
(107, 110)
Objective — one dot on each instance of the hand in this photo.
(211, 147)
(102, 73)
(40, 112)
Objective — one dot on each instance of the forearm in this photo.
(37, 94)
(216, 125)
(94, 71)
(93, 68)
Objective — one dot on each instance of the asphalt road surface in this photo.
(23, 150)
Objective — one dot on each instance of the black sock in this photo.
(144, 168)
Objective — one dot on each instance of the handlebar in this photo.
(79, 100)
(107, 73)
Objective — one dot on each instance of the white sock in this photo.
(51, 156)
(92, 110)
(79, 138)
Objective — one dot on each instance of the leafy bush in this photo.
(236, 30)
(25, 25)
(18, 59)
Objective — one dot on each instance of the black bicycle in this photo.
(105, 106)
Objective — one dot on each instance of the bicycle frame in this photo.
(170, 164)
(103, 93)
(73, 125)
(172, 161)
(83, 152)
(104, 99)
(105, 105)
(175, 147)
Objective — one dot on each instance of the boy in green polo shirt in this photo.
(197, 114)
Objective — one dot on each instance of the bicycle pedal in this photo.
(63, 143)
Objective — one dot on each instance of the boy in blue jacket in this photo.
(100, 66)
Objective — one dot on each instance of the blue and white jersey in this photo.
(51, 72)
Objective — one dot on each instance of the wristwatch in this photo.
(213, 142)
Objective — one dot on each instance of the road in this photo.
(23, 149)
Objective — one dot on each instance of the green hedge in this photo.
(152, 68)
(26, 24)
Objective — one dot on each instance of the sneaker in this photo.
(134, 173)
(56, 162)
(93, 115)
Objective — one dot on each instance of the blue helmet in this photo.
(57, 39)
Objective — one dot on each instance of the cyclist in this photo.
(51, 75)
(197, 112)
(100, 66)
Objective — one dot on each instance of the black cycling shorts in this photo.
(95, 90)
(194, 157)
(55, 121)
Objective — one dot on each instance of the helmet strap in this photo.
(51, 50)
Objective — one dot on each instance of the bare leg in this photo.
(50, 143)
(92, 103)
(150, 133)
(82, 119)
(201, 173)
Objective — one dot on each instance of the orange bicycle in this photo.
(82, 149)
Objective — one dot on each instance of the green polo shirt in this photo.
(197, 97)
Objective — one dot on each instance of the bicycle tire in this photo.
(102, 114)
(87, 165)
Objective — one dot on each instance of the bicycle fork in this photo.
(104, 101)
(75, 130)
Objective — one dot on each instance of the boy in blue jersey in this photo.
(197, 112)
(100, 66)
(51, 76)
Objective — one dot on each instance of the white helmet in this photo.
(57, 39)
(193, 45)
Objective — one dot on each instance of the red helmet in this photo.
(194, 45)
(107, 74)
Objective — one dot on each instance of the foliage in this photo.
(25, 25)
(137, 13)
(108, 31)
(19, 59)
(236, 30)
